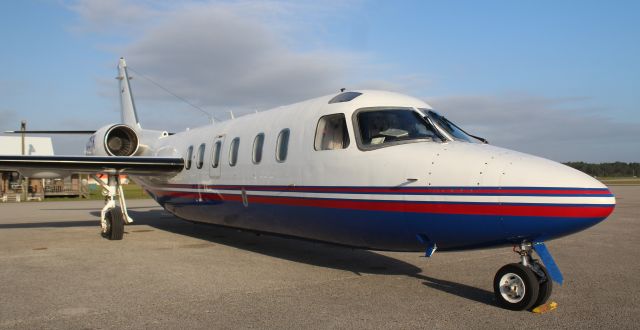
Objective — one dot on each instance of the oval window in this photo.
(200, 156)
(258, 143)
(282, 145)
(216, 154)
(187, 164)
(233, 151)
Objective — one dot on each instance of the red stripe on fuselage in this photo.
(434, 191)
(443, 191)
(493, 209)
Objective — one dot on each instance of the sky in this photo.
(558, 79)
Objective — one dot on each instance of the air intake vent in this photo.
(344, 97)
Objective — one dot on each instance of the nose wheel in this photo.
(516, 287)
(524, 285)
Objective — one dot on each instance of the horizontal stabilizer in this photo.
(143, 166)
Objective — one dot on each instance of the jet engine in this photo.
(113, 140)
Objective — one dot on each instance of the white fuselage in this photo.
(357, 180)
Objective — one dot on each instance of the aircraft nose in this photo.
(544, 199)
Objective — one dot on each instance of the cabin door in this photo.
(215, 171)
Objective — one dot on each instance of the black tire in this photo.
(527, 282)
(115, 225)
(545, 288)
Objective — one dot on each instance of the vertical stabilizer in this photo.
(129, 116)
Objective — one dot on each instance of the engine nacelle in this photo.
(113, 140)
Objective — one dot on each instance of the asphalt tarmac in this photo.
(57, 272)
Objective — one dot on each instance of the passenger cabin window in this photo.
(233, 151)
(200, 156)
(282, 145)
(216, 154)
(383, 127)
(258, 143)
(187, 164)
(331, 133)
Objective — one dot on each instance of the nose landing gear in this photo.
(524, 285)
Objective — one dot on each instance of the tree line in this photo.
(619, 169)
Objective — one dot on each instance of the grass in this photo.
(131, 191)
(619, 181)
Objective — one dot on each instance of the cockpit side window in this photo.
(381, 127)
(449, 127)
(332, 133)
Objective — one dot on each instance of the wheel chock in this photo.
(545, 308)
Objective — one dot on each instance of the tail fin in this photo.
(129, 116)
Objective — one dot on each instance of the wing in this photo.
(145, 166)
(50, 132)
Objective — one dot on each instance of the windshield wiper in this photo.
(483, 140)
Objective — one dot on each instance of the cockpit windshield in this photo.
(450, 128)
(380, 127)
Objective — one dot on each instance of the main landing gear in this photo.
(113, 217)
(524, 285)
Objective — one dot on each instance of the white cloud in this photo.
(560, 129)
(251, 55)
(216, 56)
(223, 54)
(111, 16)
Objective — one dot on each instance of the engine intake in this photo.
(113, 140)
(121, 140)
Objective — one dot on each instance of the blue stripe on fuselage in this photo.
(381, 230)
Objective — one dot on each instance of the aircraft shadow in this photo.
(309, 252)
(460, 290)
(319, 254)
(50, 224)
(93, 208)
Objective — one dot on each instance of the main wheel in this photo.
(115, 225)
(516, 287)
(544, 289)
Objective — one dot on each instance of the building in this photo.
(12, 186)
(36, 146)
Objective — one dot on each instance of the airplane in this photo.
(366, 169)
